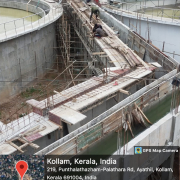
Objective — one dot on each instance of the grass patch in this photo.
(22, 115)
(30, 92)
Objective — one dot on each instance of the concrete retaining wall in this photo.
(176, 130)
(24, 58)
(157, 135)
(26, 53)
(137, 43)
(150, 55)
(165, 133)
(103, 106)
(62, 144)
(150, 1)
(41, 142)
(160, 29)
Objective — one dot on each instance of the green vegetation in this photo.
(22, 115)
(30, 92)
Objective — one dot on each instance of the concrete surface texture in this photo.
(129, 37)
(125, 35)
(70, 138)
(26, 52)
(164, 133)
(159, 29)
(149, 1)
(35, 128)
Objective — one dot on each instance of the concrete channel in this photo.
(162, 30)
(24, 45)
(108, 145)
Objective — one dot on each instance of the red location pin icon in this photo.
(21, 167)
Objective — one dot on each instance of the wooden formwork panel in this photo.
(72, 151)
(112, 122)
(89, 137)
(37, 111)
(151, 94)
(143, 100)
(111, 126)
(54, 118)
(114, 116)
(139, 101)
(164, 89)
(66, 148)
(141, 52)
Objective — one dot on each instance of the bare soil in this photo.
(16, 107)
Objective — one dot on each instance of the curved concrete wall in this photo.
(150, 1)
(160, 29)
(23, 6)
(43, 3)
(25, 53)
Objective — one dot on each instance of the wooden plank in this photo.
(115, 45)
(111, 53)
(142, 113)
(24, 140)
(98, 53)
(60, 94)
(104, 56)
(83, 9)
(130, 128)
(32, 144)
(60, 127)
(128, 59)
(24, 145)
(106, 50)
(124, 91)
(15, 146)
(107, 40)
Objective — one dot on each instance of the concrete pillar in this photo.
(175, 132)
(168, 164)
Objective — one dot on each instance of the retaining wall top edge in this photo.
(55, 11)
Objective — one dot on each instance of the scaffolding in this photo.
(78, 57)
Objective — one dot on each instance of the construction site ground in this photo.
(36, 90)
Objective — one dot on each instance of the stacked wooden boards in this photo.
(118, 53)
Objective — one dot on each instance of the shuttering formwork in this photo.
(131, 40)
(118, 53)
(138, 43)
(112, 46)
(69, 111)
(109, 121)
(145, 50)
(76, 91)
(89, 137)
(100, 126)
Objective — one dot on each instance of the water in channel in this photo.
(158, 12)
(108, 144)
(168, 11)
(8, 15)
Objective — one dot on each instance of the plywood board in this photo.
(68, 115)
(83, 8)
(89, 137)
